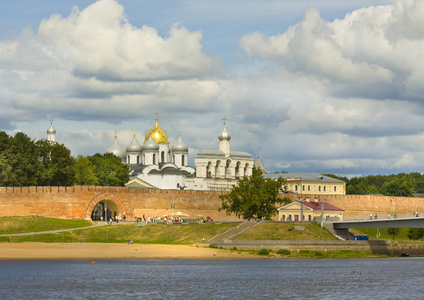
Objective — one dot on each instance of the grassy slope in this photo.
(150, 234)
(286, 231)
(36, 224)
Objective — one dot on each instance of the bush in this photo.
(263, 252)
(283, 252)
(318, 253)
(304, 251)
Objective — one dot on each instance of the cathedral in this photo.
(157, 165)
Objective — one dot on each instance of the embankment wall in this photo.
(376, 247)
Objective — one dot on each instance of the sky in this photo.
(320, 86)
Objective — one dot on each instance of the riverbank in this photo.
(48, 251)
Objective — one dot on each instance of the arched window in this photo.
(319, 188)
(325, 188)
(303, 187)
(183, 160)
(154, 158)
(162, 156)
(309, 188)
(335, 188)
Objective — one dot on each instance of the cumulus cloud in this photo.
(93, 64)
(340, 96)
(372, 52)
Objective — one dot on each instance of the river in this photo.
(383, 278)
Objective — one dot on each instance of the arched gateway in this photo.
(106, 205)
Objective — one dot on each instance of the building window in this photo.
(335, 188)
(303, 187)
(295, 187)
(183, 160)
(325, 188)
(154, 159)
(319, 188)
(309, 188)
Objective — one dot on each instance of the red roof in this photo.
(317, 206)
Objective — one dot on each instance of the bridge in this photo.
(415, 222)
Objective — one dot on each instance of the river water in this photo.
(391, 278)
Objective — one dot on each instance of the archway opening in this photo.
(105, 210)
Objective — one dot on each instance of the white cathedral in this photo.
(151, 165)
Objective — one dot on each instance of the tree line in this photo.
(402, 184)
(27, 162)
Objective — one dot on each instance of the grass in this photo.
(286, 231)
(402, 237)
(11, 225)
(150, 234)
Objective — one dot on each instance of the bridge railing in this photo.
(382, 216)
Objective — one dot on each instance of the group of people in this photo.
(116, 219)
(375, 216)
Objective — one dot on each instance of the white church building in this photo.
(151, 164)
(157, 165)
(219, 170)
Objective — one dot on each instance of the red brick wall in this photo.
(78, 202)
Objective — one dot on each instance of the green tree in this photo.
(398, 187)
(84, 172)
(254, 197)
(109, 170)
(416, 233)
(372, 190)
(19, 164)
(57, 164)
(393, 232)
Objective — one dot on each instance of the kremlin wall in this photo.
(80, 201)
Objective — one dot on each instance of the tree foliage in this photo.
(393, 232)
(254, 197)
(26, 162)
(402, 185)
(416, 233)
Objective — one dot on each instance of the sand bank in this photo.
(9, 251)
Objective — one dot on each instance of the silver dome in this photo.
(151, 145)
(224, 135)
(179, 146)
(134, 146)
(116, 148)
(51, 130)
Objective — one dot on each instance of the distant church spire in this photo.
(51, 132)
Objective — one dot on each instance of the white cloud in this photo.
(339, 96)
(100, 42)
(367, 53)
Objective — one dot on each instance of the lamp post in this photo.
(322, 211)
(106, 212)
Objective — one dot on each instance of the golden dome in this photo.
(158, 135)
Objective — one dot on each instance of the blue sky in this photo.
(322, 86)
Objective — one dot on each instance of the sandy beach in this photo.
(15, 251)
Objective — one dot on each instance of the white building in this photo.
(150, 163)
(220, 169)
